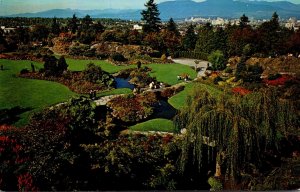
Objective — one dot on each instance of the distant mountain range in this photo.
(180, 9)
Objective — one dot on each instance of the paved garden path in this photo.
(106, 99)
(191, 62)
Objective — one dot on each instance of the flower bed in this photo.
(240, 91)
(279, 81)
(74, 81)
(133, 108)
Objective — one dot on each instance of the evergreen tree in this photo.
(244, 20)
(3, 43)
(190, 38)
(275, 20)
(271, 35)
(151, 17)
(62, 65)
(73, 24)
(172, 27)
(206, 38)
(98, 27)
(55, 27)
(87, 21)
(50, 65)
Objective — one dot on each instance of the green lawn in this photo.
(168, 73)
(163, 125)
(179, 100)
(115, 92)
(79, 65)
(28, 93)
(37, 94)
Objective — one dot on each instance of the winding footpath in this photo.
(191, 62)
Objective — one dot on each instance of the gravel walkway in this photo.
(191, 62)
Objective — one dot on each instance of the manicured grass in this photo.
(79, 65)
(168, 73)
(179, 100)
(28, 93)
(115, 92)
(162, 125)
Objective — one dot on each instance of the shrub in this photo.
(163, 57)
(215, 184)
(133, 108)
(228, 70)
(241, 91)
(274, 76)
(102, 55)
(24, 71)
(217, 59)
(167, 93)
(155, 54)
(95, 74)
(217, 80)
(118, 57)
(139, 64)
(53, 66)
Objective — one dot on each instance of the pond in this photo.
(123, 83)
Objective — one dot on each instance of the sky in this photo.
(8, 7)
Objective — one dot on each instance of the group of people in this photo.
(185, 77)
(153, 85)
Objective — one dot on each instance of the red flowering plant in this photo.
(281, 80)
(240, 91)
(12, 160)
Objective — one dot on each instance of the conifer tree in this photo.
(73, 24)
(190, 38)
(86, 22)
(244, 20)
(151, 17)
(172, 27)
(55, 28)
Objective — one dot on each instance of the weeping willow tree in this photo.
(232, 128)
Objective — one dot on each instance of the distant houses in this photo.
(7, 30)
(137, 27)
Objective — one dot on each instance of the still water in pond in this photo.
(123, 83)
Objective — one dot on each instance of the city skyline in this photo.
(8, 7)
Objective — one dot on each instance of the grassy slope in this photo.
(178, 101)
(27, 93)
(168, 73)
(36, 94)
(163, 125)
(115, 92)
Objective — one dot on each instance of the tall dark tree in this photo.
(275, 20)
(244, 20)
(151, 17)
(87, 21)
(172, 27)
(190, 38)
(98, 27)
(62, 64)
(271, 33)
(40, 33)
(55, 27)
(206, 38)
(73, 24)
(3, 42)
(22, 35)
